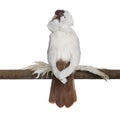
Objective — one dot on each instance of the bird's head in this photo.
(61, 20)
(58, 14)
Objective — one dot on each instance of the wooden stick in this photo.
(27, 74)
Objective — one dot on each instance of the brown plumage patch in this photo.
(61, 65)
(63, 94)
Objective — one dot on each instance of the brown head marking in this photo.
(58, 14)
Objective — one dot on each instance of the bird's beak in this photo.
(54, 17)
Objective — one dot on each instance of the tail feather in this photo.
(71, 97)
(60, 96)
(52, 96)
(63, 94)
(56, 92)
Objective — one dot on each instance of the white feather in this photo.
(40, 68)
(93, 70)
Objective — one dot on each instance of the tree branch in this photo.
(27, 74)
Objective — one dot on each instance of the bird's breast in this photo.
(62, 45)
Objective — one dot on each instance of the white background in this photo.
(24, 39)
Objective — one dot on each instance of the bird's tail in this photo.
(63, 94)
(42, 68)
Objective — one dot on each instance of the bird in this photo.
(63, 57)
(63, 60)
